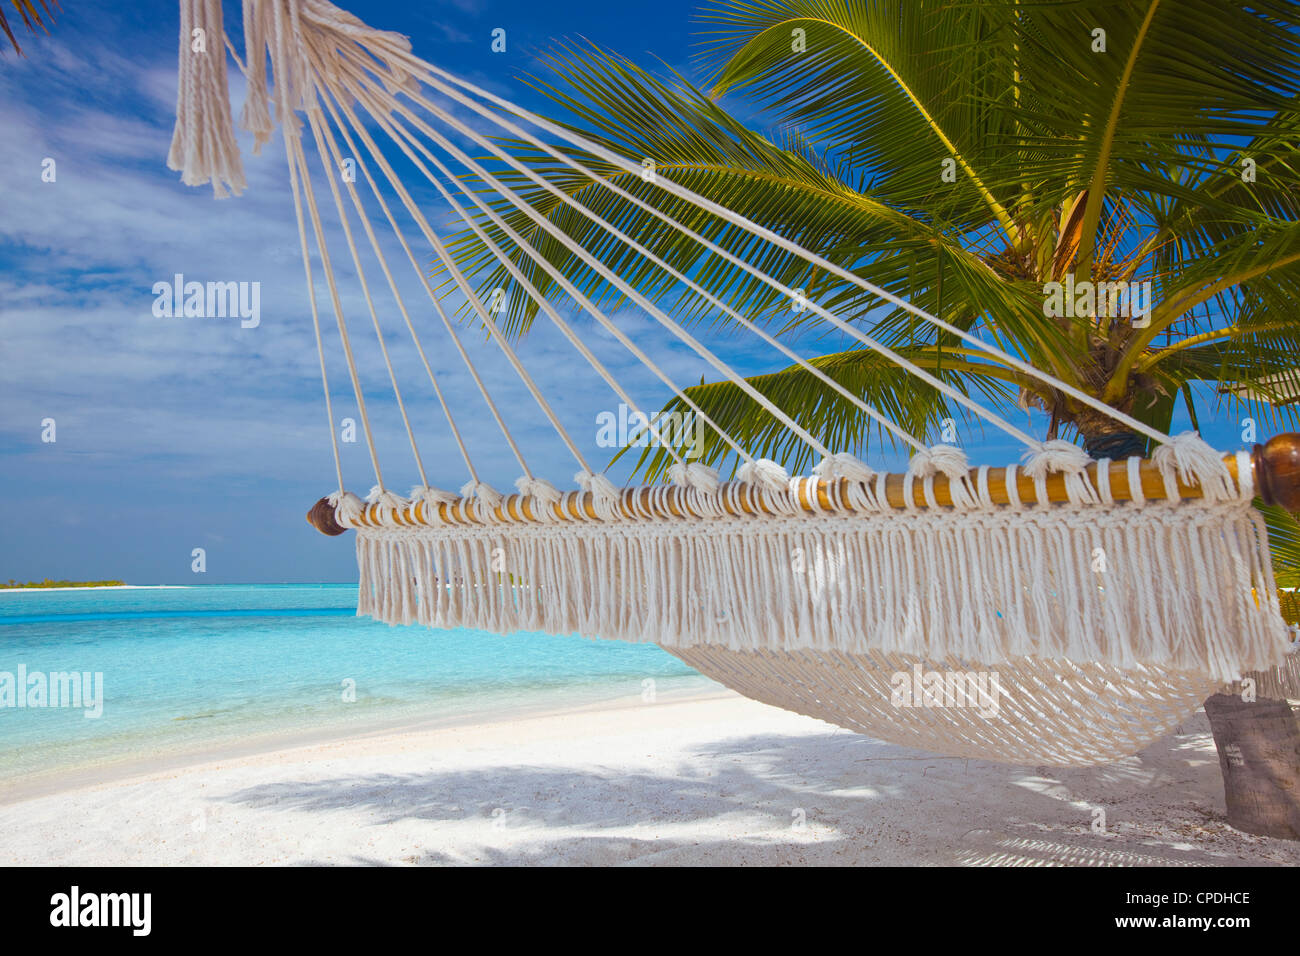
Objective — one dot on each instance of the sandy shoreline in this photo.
(273, 744)
(697, 780)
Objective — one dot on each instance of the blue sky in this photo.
(175, 434)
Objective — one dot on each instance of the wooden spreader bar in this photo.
(1275, 467)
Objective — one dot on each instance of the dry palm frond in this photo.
(31, 16)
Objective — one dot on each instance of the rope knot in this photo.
(844, 465)
(486, 498)
(391, 500)
(1054, 456)
(431, 498)
(695, 476)
(951, 462)
(1191, 460)
(764, 474)
(543, 492)
(772, 482)
(605, 495)
(947, 460)
(347, 507)
(598, 485)
(1065, 458)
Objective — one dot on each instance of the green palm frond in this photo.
(695, 143)
(959, 156)
(894, 85)
(825, 413)
(1284, 543)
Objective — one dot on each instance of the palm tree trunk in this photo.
(1258, 741)
(1259, 756)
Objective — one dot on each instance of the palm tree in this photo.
(985, 160)
(31, 18)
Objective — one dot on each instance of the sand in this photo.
(702, 780)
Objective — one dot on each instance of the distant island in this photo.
(47, 583)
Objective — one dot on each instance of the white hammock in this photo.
(946, 571)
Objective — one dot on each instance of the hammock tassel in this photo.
(1065, 458)
(348, 508)
(950, 461)
(432, 499)
(1189, 458)
(203, 145)
(544, 494)
(256, 114)
(604, 493)
(389, 500)
(844, 465)
(485, 498)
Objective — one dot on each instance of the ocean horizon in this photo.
(192, 669)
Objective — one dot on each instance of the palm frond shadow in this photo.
(865, 814)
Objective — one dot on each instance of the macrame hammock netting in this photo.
(835, 594)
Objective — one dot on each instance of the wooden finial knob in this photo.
(321, 517)
(1277, 471)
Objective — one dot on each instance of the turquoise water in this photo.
(188, 669)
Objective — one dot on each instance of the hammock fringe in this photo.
(1186, 586)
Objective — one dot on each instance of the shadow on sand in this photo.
(859, 801)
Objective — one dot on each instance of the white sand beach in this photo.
(704, 780)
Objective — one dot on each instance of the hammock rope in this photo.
(551, 313)
(831, 594)
(424, 488)
(631, 243)
(328, 269)
(437, 304)
(315, 313)
(313, 119)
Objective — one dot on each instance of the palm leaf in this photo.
(697, 144)
(1283, 543)
(1122, 165)
(826, 414)
(31, 17)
